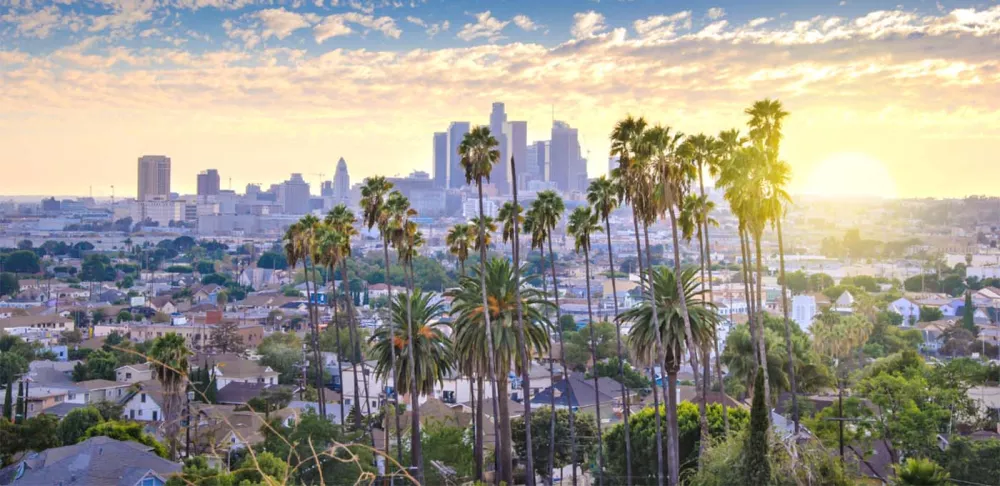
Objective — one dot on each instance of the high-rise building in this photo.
(441, 160)
(564, 151)
(456, 174)
(499, 177)
(208, 183)
(326, 189)
(341, 183)
(154, 177)
(293, 195)
(517, 137)
(542, 160)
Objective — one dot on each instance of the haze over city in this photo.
(881, 91)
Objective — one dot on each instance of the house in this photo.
(933, 333)
(579, 393)
(134, 373)
(164, 304)
(239, 393)
(243, 371)
(95, 461)
(538, 375)
(382, 290)
(986, 398)
(372, 390)
(906, 308)
(93, 391)
(804, 310)
(219, 429)
(24, 324)
(205, 293)
(145, 403)
(41, 398)
(844, 303)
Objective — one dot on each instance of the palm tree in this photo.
(541, 219)
(435, 358)
(459, 241)
(582, 224)
(487, 240)
(299, 247)
(670, 326)
(374, 212)
(673, 175)
(329, 252)
(478, 152)
(168, 355)
(628, 143)
(506, 217)
(473, 339)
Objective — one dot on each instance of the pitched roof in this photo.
(98, 460)
(243, 368)
(239, 393)
(91, 385)
(582, 391)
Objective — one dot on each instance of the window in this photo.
(140, 412)
(71, 396)
(128, 376)
(131, 414)
(142, 398)
(154, 415)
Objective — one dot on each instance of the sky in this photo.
(888, 99)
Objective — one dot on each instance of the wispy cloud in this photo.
(486, 26)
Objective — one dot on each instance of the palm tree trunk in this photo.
(760, 324)
(621, 359)
(672, 450)
(748, 293)
(565, 370)
(392, 353)
(355, 337)
(788, 331)
(320, 384)
(715, 331)
(314, 330)
(502, 469)
(552, 380)
(416, 448)
(593, 354)
(656, 400)
(525, 359)
(340, 358)
(692, 345)
(478, 447)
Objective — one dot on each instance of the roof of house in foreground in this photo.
(98, 460)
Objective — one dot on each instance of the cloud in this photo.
(41, 23)
(662, 27)
(486, 27)
(715, 13)
(338, 25)
(126, 14)
(525, 23)
(280, 23)
(587, 24)
(431, 29)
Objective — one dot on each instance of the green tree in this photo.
(541, 438)
(76, 424)
(756, 463)
(272, 260)
(101, 365)
(930, 314)
(21, 261)
(921, 472)
(433, 351)
(282, 352)
(445, 442)
(9, 284)
(968, 314)
(169, 358)
(126, 431)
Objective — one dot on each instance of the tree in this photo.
(459, 241)
(300, 246)
(921, 472)
(21, 261)
(226, 337)
(968, 314)
(100, 365)
(214, 278)
(168, 356)
(930, 314)
(472, 334)
(272, 260)
(126, 431)
(76, 424)
(643, 428)
(756, 463)
(541, 437)
(9, 284)
(446, 443)
(611, 368)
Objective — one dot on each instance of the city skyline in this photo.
(880, 94)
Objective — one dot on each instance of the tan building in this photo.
(134, 373)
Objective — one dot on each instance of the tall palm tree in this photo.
(299, 247)
(506, 217)
(487, 240)
(602, 195)
(169, 356)
(459, 241)
(583, 223)
(434, 357)
(329, 252)
(479, 153)
(374, 213)
(473, 339)
(628, 142)
(673, 175)
(547, 211)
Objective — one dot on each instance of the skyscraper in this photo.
(293, 195)
(441, 160)
(456, 174)
(208, 183)
(341, 183)
(564, 150)
(542, 160)
(517, 136)
(154, 177)
(499, 177)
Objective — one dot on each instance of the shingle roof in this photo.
(239, 393)
(582, 391)
(95, 461)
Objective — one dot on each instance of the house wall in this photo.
(129, 375)
(137, 409)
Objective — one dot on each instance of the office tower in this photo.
(441, 160)
(293, 195)
(542, 160)
(326, 189)
(208, 183)
(341, 182)
(154, 177)
(564, 151)
(500, 176)
(517, 137)
(456, 174)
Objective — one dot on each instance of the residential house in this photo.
(243, 371)
(93, 391)
(987, 399)
(579, 393)
(219, 429)
(95, 461)
(933, 333)
(205, 293)
(906, 308)
(845, 303)
(804, 310)
(382, 290)
(134, 373)
(145, 403)
(54, 324)
(164, 304)
(372, 390)
(239, 393)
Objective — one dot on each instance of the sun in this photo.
(851, 174)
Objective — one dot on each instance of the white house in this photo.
(804, 310)
(906, 308)
(243, 371)
(844, 303)
(134, 373)
(145, 403)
